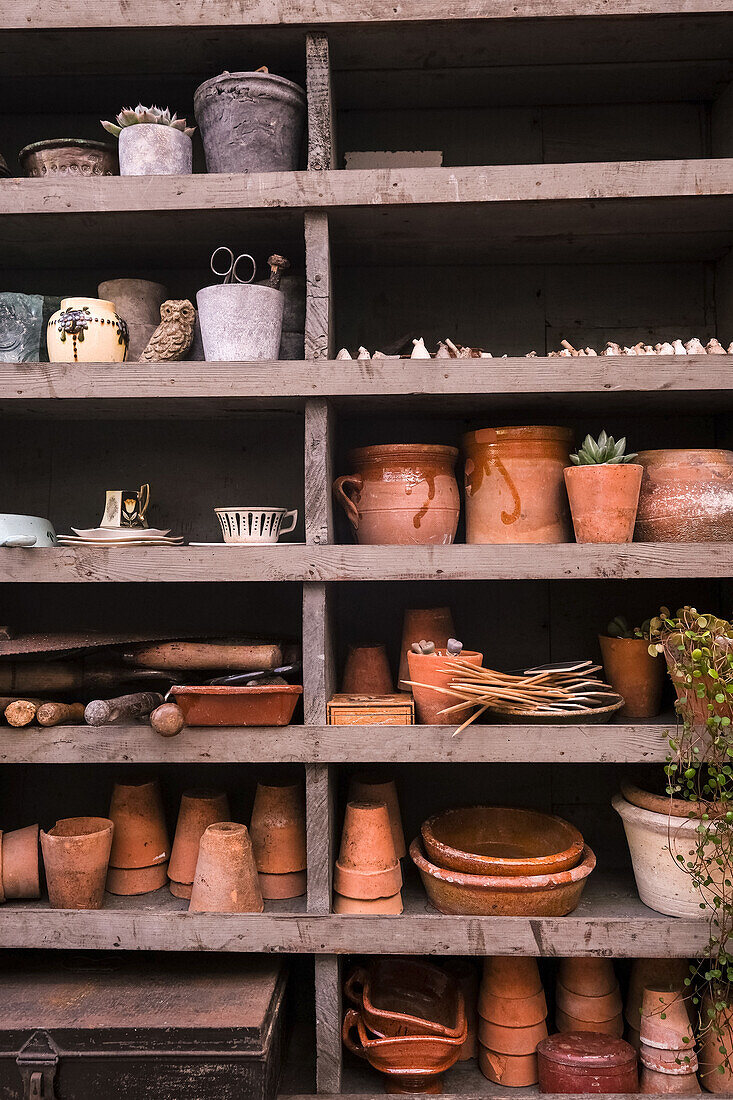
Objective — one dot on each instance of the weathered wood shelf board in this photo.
(618, 742)
(566, 561)
(609, 921)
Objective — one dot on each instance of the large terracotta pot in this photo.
(429, 669)
(603, 500)
(226, 876)
(76, 856)
(515, 490)
(401, 494)
(434, 624)
(367, 671)
(277, 828)
(686, 496)
(141, 836)
(632, 671)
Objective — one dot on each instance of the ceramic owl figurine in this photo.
(174, 335)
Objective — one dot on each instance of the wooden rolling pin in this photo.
(188, 656)
(167, 720)
(55, 714)
(103, 712)
(21, 712)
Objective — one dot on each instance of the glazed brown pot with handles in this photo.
(632, 671)
(686, 496)
(401, 494)
(515, 490)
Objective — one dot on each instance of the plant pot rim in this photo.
(380, 451)
(248, 75)
(655, 822)
(661, 803)
(519, 434)
(140, 126)
(604, 466)
(95, 826)
(65, 143)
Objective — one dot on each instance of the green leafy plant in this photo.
(619, 627)
(604, 450)
(134, 116)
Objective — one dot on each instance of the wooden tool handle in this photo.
(167, 720)
(18, 677)
(103, 712)
(53, 714)
(21, 712)
(206, 655)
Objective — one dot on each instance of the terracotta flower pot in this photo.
(510, 976)
(199, 809)
(653, 1083)
(613, 1027)
(367, 671)
(75, 856)
(665, 1019)
(180, 889)
(686, 496)
(128, 881)
(367, 866)
(697, 711)
(434, 624)
(226, 876)
(20, 863)
(466, 973)
(603, 500)
(632, 671)
(291, 884)
(676, 1062)
(514, 485)
(711, 1058)
(510, 1070)
(277, 828)
(592, 1009)
(586, 1062)
(513, 1011)
(370, 787)
(511, 1040)
(140, 836)
(430, 669)
(403, 494)
(588, 977)
(399, 996)
(369, 906)
(649, 973)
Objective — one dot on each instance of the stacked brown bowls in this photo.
(512, 1020)
(587, 997)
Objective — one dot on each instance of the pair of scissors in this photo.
(230, 273)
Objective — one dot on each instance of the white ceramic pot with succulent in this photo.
(152, 142)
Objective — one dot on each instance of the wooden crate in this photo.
(371, 710)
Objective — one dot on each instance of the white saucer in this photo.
(70, 540)
(112, 534)
(242, 545)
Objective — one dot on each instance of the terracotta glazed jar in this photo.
(515, 490)
(87, 330)
(401, 494)
(686, 496)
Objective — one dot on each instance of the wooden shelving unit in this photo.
(573, 202)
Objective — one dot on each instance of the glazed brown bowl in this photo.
(494, 840)
(407, 997)
(502, 895)
(411, 1055)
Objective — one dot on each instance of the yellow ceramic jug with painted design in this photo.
(87, 330)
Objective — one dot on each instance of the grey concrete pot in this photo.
(240, 322)
(250, 122)
(147, 149)
(138, 302)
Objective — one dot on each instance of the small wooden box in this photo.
(371, 710)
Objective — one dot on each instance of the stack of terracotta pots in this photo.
(76, 858)
(374, 787)
(277, 830)
(409, 1022)
(226, 879)
(512, 1020)
(648, 973)
(368, 876)
(667, 1043)
(138, 862)
(198, 810)
(19, 864)
(587, 997)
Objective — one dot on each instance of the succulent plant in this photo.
(604, 450)
(619, 627)
(131, 116)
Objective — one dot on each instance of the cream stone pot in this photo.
(87, 330)
(655, 840)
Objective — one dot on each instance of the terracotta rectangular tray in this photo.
(237, 706)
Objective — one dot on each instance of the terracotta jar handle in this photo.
(355, 480)
(354, 985)
(351, 1023)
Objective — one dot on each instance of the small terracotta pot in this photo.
(432, 624)
(588, 977)
(676, 1062)
(20, 863)
(277, 828)
(511, 1070)
(653, 1083)
(632, 671)
(648, 973)
(429, 669)
(665, 1019)
(369, 907)
(566, 1023)
(586, 1062)
(367, 671)
(180, 889)
(199, 808)
(511, 1040)
(226, 876)
(603, 500)
(397, 996)
(711, 1058)
(510, 976)
(140, 836)
(127, 881)
(367, 866)
(370, 787)
(466, 973)
(290, 884)
(75, 856)
(592, 1009)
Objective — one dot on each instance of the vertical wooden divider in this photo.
(318, 650)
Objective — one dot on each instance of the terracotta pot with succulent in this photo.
(603, 488)
(630, 668)
(152, 142)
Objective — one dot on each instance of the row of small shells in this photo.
(448, 350)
